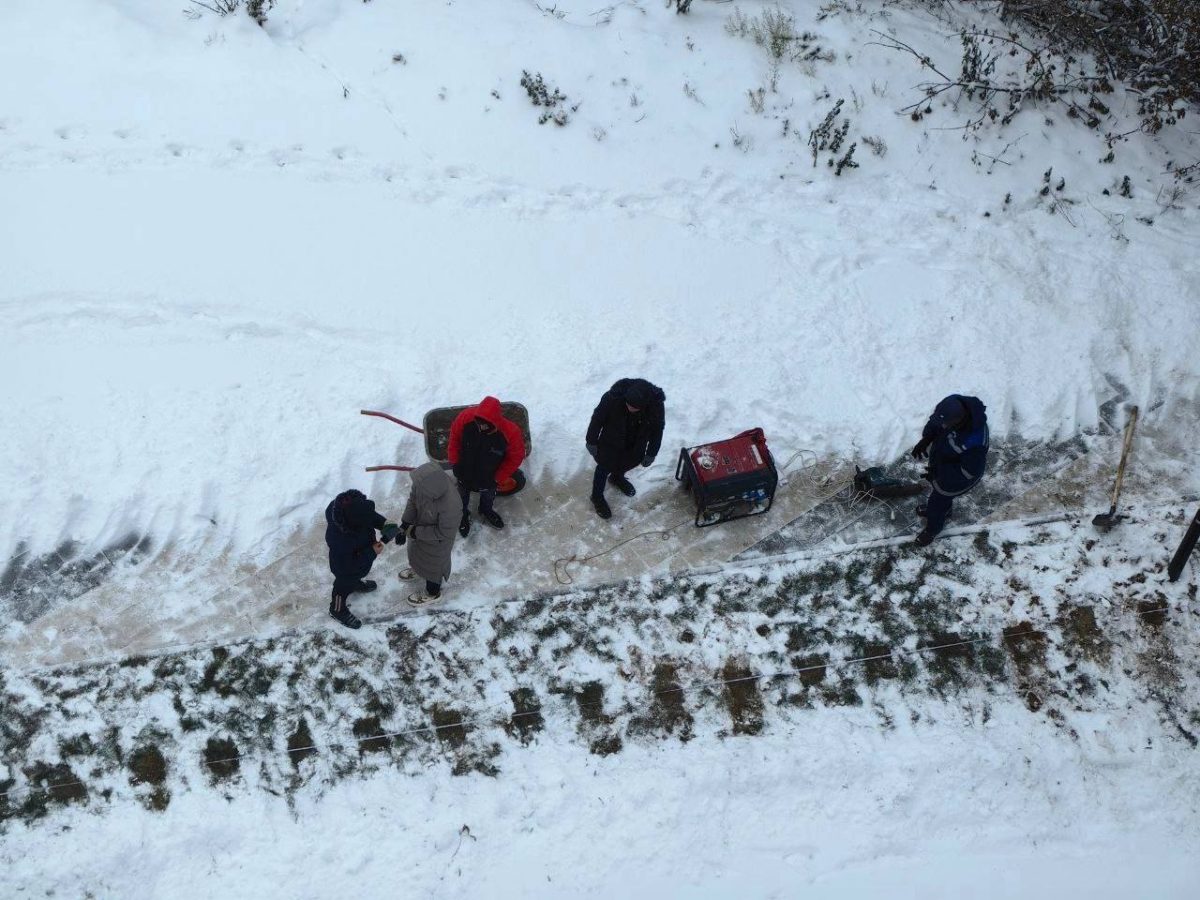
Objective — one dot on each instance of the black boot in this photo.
(925, 538)
(492, 518)
(603, 510)
(340, 610)
(622, 484)
(464, 524)
(366, 586)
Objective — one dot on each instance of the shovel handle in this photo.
(391, 418)
(1129, 426)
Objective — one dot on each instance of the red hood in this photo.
(489, 409)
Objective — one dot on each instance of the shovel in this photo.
(1107, 520)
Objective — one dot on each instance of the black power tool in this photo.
(876, 484)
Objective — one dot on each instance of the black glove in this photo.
(389, 532)
(648, 460)
(407, 530)
(593, 449)
(921, 450)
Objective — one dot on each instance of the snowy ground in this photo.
(219, 242)
(1020, 711)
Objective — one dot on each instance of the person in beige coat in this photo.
(429, 526)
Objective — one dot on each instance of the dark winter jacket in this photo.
(958, 449)
(624, 439)
(482, 461)
(433, 509)
(350, 523)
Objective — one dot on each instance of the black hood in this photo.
(638, 392)
(351, 511)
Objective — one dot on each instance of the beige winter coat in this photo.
(435, 508)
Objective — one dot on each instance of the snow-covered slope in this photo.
(221, 241)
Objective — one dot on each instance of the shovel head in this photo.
(1107, 520)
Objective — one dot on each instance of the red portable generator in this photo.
(729, 479)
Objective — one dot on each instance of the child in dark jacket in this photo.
(350, 526)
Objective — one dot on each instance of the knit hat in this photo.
(951, 412)
(637, 394)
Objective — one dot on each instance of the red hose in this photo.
(391, 418)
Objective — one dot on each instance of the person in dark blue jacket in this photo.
(955, 440)
(350, 526)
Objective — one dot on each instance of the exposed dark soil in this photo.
(878, 661)
(1153, 613)
(526, 720)
(590, 700)
(607, 745)
(449, 725)
(1084, 634)
(811, 669)
(952, 661)
(1027, 646)
(667, 714)
(300, 743)
(51, 785)
(147, 765)
(370, 735)
(742, 697)
(222, 758)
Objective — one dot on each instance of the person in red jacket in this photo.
(485, 450)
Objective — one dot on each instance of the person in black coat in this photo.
(955, 440)
(625, 431)
(350, 526)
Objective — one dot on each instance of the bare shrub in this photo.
(1154, 45)
(877, 145)
(221, 8)
(775, 31)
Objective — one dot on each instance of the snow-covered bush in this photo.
(221, 7)
(1073, 53)
(548, 97)
(775, 31)
(829, 135)
(877, 145)
(1000, 75)
(258, 10)
(1154, 45)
